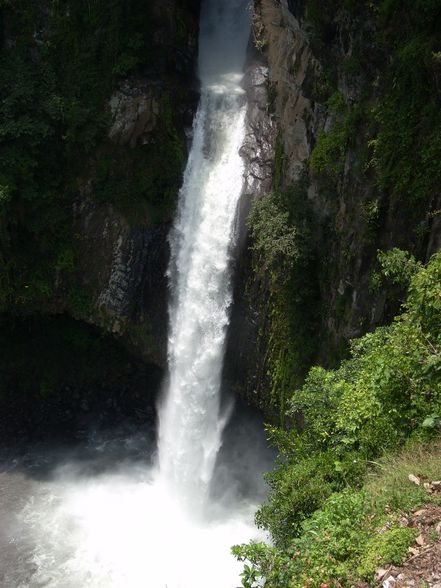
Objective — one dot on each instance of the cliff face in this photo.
(355, 171)
(88, 201)
(358, 216)
(97, 103)
(123, 245)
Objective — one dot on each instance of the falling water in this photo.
(96, 520)
(190, 420)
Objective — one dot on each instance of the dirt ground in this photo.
(423, 567)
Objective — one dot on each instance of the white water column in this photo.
(191, 422)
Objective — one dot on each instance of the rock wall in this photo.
(353, 217)
(107, 95)
(124, 255)
(349, 217)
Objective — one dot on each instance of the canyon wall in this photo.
(355, 171)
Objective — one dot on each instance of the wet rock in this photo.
(123, 270)
(258, 147)
(135, 110)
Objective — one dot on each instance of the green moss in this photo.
(329, 151)
(281, 230)
(279, 163)
(389, 547)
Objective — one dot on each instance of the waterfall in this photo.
(104, 521)
(190, 420)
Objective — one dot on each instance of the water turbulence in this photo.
(190, 420)
(107, 522)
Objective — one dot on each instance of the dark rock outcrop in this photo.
(243, 361)
(123, 258)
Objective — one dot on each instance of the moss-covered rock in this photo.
(96, 100)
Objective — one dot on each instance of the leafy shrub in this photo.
(341, 421)
(297, 489)
(274, 238)
(352, 533)
(329, 546)
(329, 152)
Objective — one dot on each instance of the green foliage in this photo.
(404, 166)
(329, 153)
(388, 547)
(328, 548)
(280, 224)
(397, 268)
(353, 532)
(386, 394)
(402, 121)
(392, 75)
(297, 488)
(274, 238)
(336, 103)
(279, 163)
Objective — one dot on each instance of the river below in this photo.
(93, 513)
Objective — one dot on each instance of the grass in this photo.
(388, 486)
(386, 548)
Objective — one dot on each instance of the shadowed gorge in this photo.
(220, 294)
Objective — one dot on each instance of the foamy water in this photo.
(124, 530)
(191, 422)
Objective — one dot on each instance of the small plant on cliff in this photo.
(274, 238)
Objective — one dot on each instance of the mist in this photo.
(94, 514)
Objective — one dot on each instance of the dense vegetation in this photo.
(59, 63)
(397, 67)
(376, 170)
(322, 519)
(349, 437)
